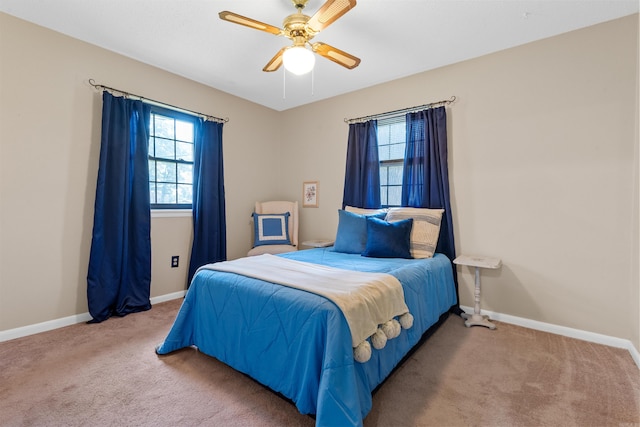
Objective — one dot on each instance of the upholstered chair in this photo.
(268, 237)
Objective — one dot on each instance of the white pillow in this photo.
(426, 228)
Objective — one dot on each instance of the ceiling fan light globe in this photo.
(298, 60)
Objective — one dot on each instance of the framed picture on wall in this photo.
(310, 194)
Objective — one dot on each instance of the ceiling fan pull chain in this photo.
(284, 83)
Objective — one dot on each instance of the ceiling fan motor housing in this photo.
(295, 28)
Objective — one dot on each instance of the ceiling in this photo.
(394, 38)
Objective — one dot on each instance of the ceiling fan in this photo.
(300, 29)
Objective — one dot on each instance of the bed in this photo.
(298, 343)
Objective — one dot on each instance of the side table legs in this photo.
(477, 319)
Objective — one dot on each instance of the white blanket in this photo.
(366, 299)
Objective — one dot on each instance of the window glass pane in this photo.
(397, 132)
(184, 193)
(152, 170)
(383, 134)
(166, 172)
(396, 151)
(166, 193)
(395, 175)
(165, 148)
(152, 192)
(391, 141)
(184, 131)
(395, 196)
(384, 170)
(383, 152)
(164, 127)
(383, 196)
(184, 151)
(185, 173)
(152, 150)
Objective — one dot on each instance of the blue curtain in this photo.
(425, 183)
(209, 223)
(119, 276)
(362, 174)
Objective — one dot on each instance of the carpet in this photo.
(108, 374)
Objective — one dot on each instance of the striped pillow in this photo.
(364, 211)
(426, 228)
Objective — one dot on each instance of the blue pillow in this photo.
(388, 239)
(351, 237)
(271, 229)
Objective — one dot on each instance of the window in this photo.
(391, 147)
(171, 136)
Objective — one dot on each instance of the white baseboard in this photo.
(506, 318)
(24, 331)
(564, 331)
(167, 297)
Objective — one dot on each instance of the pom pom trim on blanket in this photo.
(387, 331)
(379, 339)
(362, 353)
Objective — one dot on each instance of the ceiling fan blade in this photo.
(248, 22)
(329, 13)
(336, 55)
(275, 62)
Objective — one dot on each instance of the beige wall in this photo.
(49, 150)
(543, 162)
(543, 165)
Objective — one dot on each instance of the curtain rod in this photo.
(158, 103)
(401, 111)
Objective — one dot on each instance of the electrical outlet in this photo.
(175, 261)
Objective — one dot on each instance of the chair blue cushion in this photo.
(388, 239)
(271, 229)
(351, 237)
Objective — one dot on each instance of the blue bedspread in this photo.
(298, 343)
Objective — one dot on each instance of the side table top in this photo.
(478, 261)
